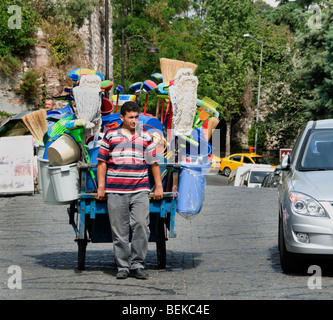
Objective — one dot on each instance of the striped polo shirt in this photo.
(127, 160)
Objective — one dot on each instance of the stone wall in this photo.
(52, 78)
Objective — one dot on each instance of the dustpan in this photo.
(157, 77)
(147, 87)
(136, 87)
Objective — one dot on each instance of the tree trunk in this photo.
(227, 137)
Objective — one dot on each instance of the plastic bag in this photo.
(191, 189)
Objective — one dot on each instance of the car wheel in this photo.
(226, 171)
(289, 263)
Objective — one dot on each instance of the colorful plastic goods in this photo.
(157, 77)
(147, 87)
(75, 74)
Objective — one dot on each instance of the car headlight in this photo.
(306, 205)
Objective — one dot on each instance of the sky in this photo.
(273, 3)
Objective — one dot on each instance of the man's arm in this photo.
(156, 171)
(101, 173)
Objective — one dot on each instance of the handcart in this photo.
(90, 219)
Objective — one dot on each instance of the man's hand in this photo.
(158, 193)
(100, 193)
(101, 172)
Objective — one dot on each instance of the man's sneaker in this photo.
(122, 274)
(139, 273)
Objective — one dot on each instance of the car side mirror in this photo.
(285, 163)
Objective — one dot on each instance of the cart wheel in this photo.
(81, 261)
(161, 245)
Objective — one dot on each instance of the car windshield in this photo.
(260, 160)
(258, 176)
(318, 152)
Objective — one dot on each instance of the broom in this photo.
(36, 123)
(212, 124)
(170, 67)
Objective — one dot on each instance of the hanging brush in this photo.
(36, 123)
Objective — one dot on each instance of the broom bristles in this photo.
(36, 123)
(170, 67)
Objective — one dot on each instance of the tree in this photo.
(223, 73)
(324, 91)
(17, 41)
(168, 24)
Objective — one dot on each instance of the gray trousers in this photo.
(129, 210)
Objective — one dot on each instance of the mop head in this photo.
(91, 81)
(88, 102)
(183, 95)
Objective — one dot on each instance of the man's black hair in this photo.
(129, 106)
(49, 98)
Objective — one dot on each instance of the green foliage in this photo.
(17, 41)
(223, 73)
(167, 24)
(29, 86)
(62, 41)
(72, 11)
(261, 137)
(9, 64)
(303, 88)
(324, 89)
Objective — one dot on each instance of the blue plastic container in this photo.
(93, 153)
(199, 147)
(49, 142)
(143, 119)
(191, 187)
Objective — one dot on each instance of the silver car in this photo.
(306, 197)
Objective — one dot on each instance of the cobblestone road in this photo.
(228, 251)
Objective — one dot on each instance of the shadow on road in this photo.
(104, 260)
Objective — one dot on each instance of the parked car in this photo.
(253, 177)
(235, 160)
(306, 197)
(215, 162)
(14, 126)
(234, 178)
(272, 179)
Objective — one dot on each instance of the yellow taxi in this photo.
(236, 160)
(215, 162)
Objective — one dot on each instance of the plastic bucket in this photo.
(40, 149)
(191, 187)
(48, 192)
(107, 106)
(65, 182)
(152, 122)
(63, 151)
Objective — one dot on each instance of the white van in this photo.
(253, 177)
(235, 175)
